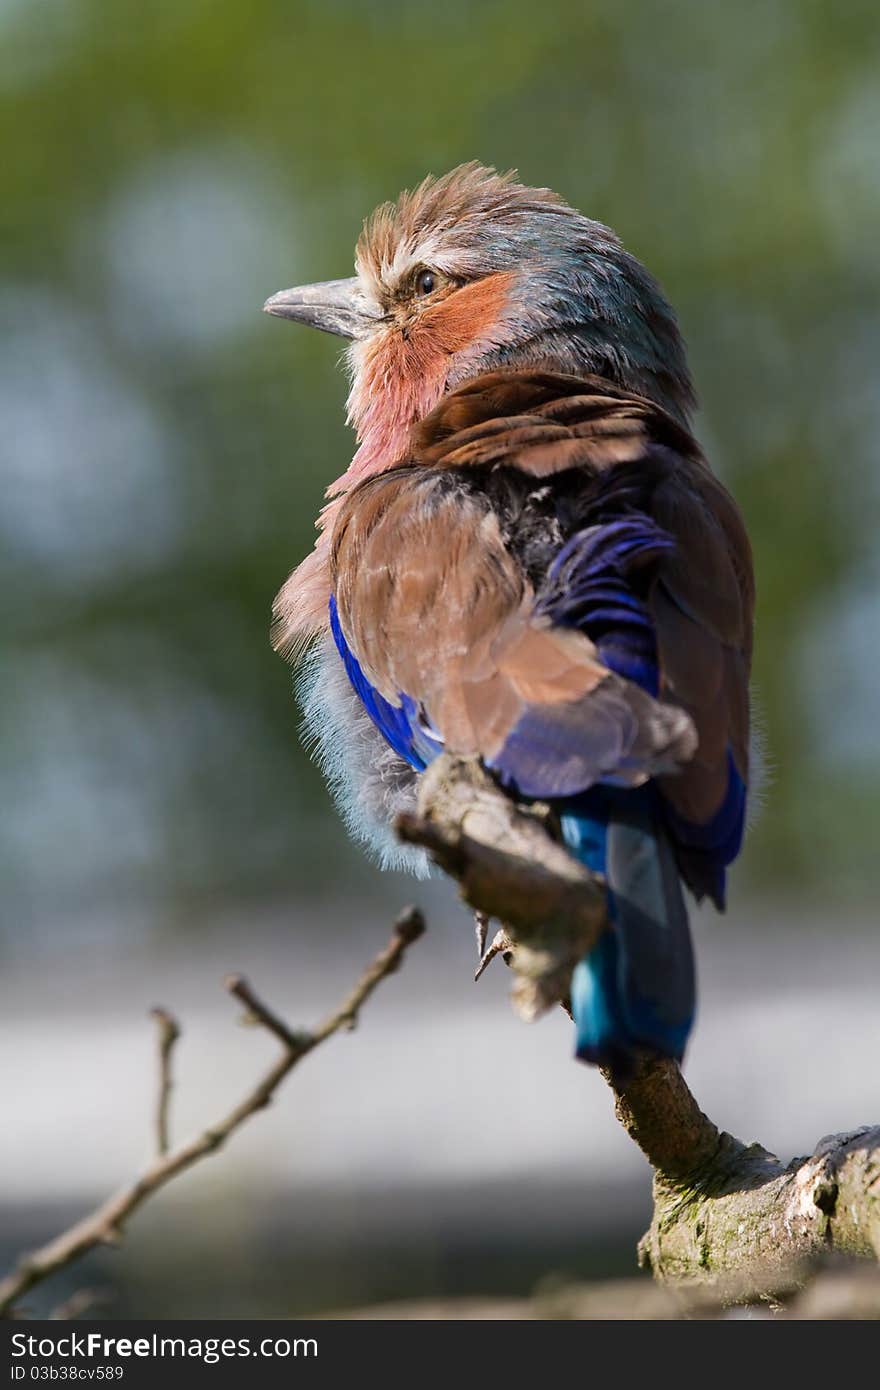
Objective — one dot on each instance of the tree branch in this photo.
(732, 1213)
(105, 1225)
(725, 1212)
(169, 1032)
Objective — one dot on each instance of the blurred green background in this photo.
(167, 164)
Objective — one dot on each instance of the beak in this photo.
(334, 306)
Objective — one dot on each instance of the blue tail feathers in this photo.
(636, 988)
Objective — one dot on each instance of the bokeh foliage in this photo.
(168, 165)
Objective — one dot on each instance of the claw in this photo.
(481, 924)
(501, 944)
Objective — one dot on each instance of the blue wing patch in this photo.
(593, 585)
(401, 725)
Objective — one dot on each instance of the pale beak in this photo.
(334, 306)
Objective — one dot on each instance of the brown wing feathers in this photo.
(703, 608)
(544, 423)
(433, 602)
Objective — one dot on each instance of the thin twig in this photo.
(169, 1032)
(257, 1012)
(105, 1225)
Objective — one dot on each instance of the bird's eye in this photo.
(426, 282)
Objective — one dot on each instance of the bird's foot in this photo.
(481, 927)
(500, 945)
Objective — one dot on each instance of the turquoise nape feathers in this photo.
(529, 560)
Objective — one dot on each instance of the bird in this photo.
(529, 561)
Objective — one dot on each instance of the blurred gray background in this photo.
(163, 455)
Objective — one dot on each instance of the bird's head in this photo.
(474, 271)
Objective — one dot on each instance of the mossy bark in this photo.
(732, 1213)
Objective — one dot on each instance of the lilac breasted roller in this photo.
(529, 560)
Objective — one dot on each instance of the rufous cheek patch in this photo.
(402, 375)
